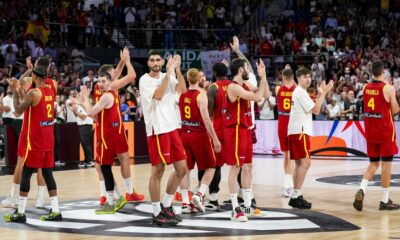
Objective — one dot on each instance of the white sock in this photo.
(40, 193)
(156, 208)
(364, 184)
(185, 196)
(167, 201)
(15, 190)
(128, 185)
(203, 189)
(102, 186)
(247, 197)
(110, 198)
(54, 204)
(213, 196)
(296, 193)
(240, 193)
(288, 182)
(385, 195)
(234, 201)
(22, 204)
(117, 195)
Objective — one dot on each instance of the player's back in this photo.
(378, 120)
(220, 106)
(190, 111)
(37, 127)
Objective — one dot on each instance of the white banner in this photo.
(208, 59)
(338, 138)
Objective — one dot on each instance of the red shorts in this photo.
(115, 145)
(375, 150)
(38, 159)
(221, 155)
(238, 146)
(299, 146)
(165, 148)
(199, 150)
(283, 134)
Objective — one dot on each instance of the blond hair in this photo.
(193, 75)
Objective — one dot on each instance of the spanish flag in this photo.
(38, 29)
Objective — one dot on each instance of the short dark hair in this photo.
(220, 70)
(377, 68)
(105, 74)
(287, 73)
(104, 68)
(43, 61)
(302, 72)
(154, 52)
(236, 64)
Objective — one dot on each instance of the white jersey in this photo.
(300, 120)
(160, 116)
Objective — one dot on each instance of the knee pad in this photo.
(108, 177)
(26, 179)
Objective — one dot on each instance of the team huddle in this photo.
(188, 125)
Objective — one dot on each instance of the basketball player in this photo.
(380, 105)
(197, 132)
(26, 85)
(300, 130)
(284, 97)
(36, 145)
(115, 85)
(238, 141)
(216, 94)
(158, 93)
(109, 142)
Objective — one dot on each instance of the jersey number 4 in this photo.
(371, 103)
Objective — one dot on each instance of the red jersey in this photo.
(379, 126)
(284, 97)
(96, 93)
(37, 128)
(50, 83)
(238, 113)
(190, 112)
(109, 122)
(220, 106)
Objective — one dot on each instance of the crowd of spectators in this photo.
(337, 40)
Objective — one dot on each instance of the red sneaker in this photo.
(102, 200)
(190, 196)
(134, 197)
(178, 197)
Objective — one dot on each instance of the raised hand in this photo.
(29, 63)
(235, 44)
(84, 94)
(178, 61)
(171, 63)
(261, 68)
(225, 62)
(125, 55)
(13, 84)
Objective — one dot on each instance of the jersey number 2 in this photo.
(49, 111)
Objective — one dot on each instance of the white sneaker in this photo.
(198, 202)
(188, 209)
(39, 203)
(238, 215)
(10, 202)
(287, 192)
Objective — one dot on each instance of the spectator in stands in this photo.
(130, 19)
(124, 108)
(350, 107)
(78, 56)
(71, 118)
(36, 50)
(90, 77)
(139, 111)
(267, 108)
(333, 110)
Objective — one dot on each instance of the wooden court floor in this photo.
(334, 199)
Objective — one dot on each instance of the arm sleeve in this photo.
(305, 101)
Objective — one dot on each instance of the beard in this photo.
(245, 76)
(155, 68)
(201, 84)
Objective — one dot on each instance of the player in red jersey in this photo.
(109, 144)
(216, 94)
(284, 99)
(115, 85)
(238, 141)
(36, 144)
(380, 105)
(25, 86)
(197, 132)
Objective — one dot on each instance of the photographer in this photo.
(350, 107)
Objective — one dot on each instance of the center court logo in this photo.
(134, 220)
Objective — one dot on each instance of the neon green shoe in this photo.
(15, 217)
(107, 208)
(52, 216)
(120, 203)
